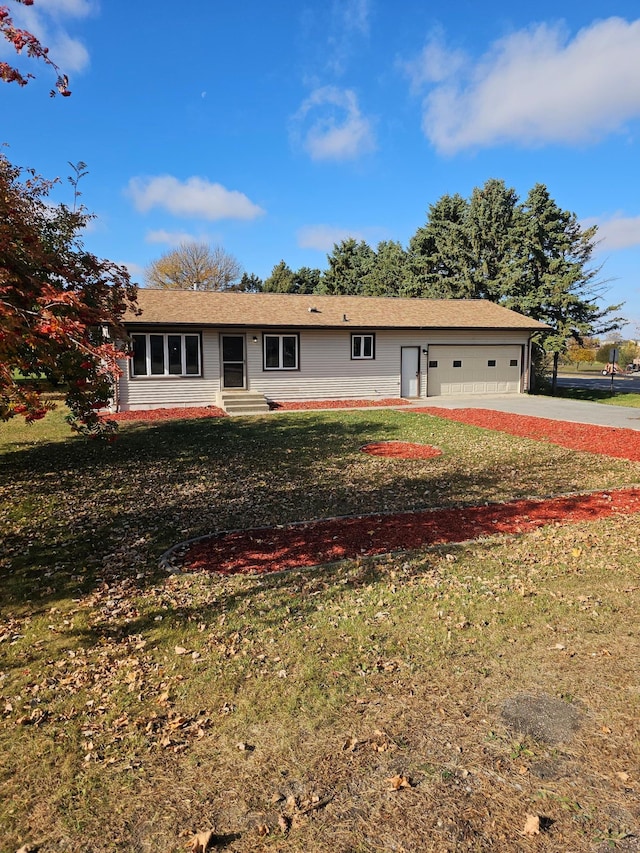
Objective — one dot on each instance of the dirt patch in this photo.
(273, 549)
(401, 450)
(542, 717)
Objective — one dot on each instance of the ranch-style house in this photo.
(244, 350)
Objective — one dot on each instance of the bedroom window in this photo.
(280, 352)
(363, 346)
(165, 355)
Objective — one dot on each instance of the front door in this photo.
(233, 361)
(409, 371)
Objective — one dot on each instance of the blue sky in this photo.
(275, 128)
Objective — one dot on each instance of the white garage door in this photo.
(473, 370)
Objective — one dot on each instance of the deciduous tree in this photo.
(61, 307)
(23, 40)
(194, 266)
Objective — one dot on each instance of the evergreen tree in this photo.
(249, 283)
(306, 280)
(493, 230)
(388, 274)
(555, 282)
(349, 263)
(280, 280)
(439, 253)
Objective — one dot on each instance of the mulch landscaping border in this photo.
(306, 544)
(619, 442)
(313, 543)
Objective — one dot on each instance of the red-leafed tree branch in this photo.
(61, 307)
(23, 40)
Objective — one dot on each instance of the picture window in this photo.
(165, 355)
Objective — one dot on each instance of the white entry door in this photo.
(409, 371)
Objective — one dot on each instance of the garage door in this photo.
(473, 370)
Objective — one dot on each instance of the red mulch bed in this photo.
(335, 404)
(276, 548)
(607, 441)
(169, 414)
(401, 450)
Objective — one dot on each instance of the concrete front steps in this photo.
(243, 402)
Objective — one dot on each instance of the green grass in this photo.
(620, 397)
(137, 706)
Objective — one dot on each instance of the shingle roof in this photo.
(231, 309)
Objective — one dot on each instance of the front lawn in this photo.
(351, 708)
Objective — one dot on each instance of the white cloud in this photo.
(618, 232)
(331, 126)
(354, 15)
(73, 8)
(533, 87)
(324, 237)
(171, 238)
(195, 197)
(47, 20)
(348, 25)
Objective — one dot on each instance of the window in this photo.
(433, 364)
(280, 352)
(363, 346)
(513, 362)
(457, 363)
(165, 355)
(491, 362)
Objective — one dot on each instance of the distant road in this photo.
(596, 381)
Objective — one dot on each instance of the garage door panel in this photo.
(473, 370)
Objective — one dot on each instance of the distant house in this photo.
(198, 348)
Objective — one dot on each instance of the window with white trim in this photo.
(280, 352)
(165, 354)
(363, 346)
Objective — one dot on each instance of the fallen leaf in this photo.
(398, 782)
(201, 841)
(284, 823)
(622, 776)
(180, 650)
(532, 825)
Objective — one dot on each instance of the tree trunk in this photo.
(554, 375)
